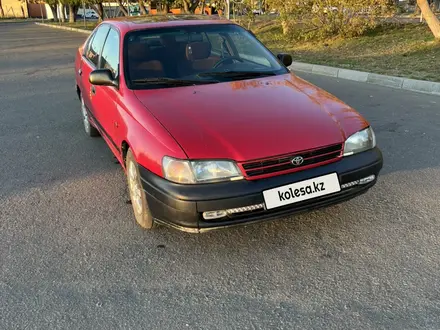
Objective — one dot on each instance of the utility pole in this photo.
(227, 8)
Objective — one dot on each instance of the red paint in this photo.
(242, 120)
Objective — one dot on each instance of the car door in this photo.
(106, 100)
(79, 62)
(89, 62)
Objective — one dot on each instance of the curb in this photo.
(64, 28)
(19, 20)
(421, 86)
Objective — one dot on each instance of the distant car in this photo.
(213, 130)
(91, 15)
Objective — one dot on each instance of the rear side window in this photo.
(110, 53)
(96, 44)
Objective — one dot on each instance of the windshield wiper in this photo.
(172, 81)
(237, 74)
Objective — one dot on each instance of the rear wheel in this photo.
(137, 193)
(88, 127)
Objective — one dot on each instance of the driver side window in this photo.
(96, 45)
(110, 53)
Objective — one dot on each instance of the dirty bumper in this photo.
(199, 208)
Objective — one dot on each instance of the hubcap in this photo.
(135, 189)
(85, 116)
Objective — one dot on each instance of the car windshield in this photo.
(176, 56)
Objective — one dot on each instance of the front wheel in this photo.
(137, 193)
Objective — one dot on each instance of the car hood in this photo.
(251, 119)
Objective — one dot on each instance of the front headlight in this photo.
(360, 141)
(184, 171)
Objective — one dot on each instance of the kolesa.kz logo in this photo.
(307, 190)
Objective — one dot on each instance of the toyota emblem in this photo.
(296, 161)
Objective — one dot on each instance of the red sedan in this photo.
(212, 129)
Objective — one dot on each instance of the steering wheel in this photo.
(227, 59)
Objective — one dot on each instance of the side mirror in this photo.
(286, 59)
(102, 77)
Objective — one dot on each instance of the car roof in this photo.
(126, 24)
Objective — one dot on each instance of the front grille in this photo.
(284, 163)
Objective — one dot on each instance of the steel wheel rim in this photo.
(85, 116)
(135, 189)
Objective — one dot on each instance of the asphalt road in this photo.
(71, 256)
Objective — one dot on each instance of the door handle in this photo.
(80, 72)
(93, 90)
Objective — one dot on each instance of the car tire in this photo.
(88, 127)
(137, 194)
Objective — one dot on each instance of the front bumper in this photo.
(181, 206)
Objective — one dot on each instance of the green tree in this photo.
(166, 5)
(73, 6)
(245, 6)
(430, 17)
(148, 3)
(142, 7)
(61, 10)
(190, 6)
(326, 18)
(123, 10)
(99, 8)
(286, 9)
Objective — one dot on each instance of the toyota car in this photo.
(212, 129)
